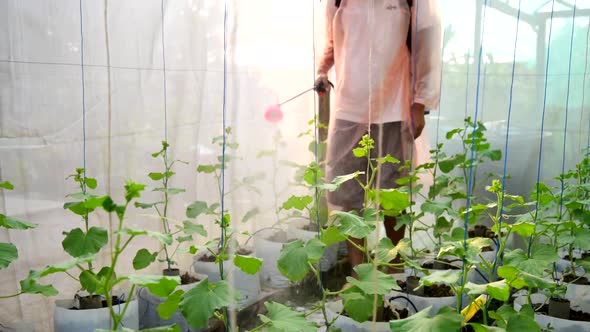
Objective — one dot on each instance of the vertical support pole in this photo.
(323, 122)
(541, 56)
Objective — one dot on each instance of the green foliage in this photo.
(79, 243)
(249, 265)
(8, 254)
(444, 321)
(372, 281)
(143, 258)
(202, 301)
(282, 319)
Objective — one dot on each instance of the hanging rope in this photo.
(543, 120)
(506, 146)
(164, 75)
(584, 85)
(83, 94)
(567, 104)
(223, 148)
(472, 157)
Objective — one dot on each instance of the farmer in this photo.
(367, 43)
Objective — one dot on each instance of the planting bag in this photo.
(328, 260)
(350, 325)
(148, 310)
(269, 251)
(66, 320)
(247, 285)
(558, 324)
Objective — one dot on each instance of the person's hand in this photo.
(322, 81)
(418, 122)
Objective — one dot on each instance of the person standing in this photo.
(387, 60)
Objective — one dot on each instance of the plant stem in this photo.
(9, 296)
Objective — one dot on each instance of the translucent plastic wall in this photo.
(101, 85)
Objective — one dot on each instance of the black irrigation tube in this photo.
(405, 298)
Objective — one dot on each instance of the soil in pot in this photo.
(385, 315)
(429, 291)
(186, 279)
(573, 314)
(209, 258)
(86, 303)
(569, 278)
(89, 302)
(441, 264)
(584, 255)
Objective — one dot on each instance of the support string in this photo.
(472, 157)
(164, 75)
(530, 246)
(83, 93)
(506, 146)
(567, 104)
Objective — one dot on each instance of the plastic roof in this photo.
(544, 6)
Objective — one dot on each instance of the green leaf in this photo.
(519, 279)
(436, 208)
(169, 307)
(170, 191)
(13, 223)
(499, 290)
(315, 249)
(523, 228)
(163, 238)
(542, 256)
(449, 277)
(386, 251)
(207, 169)
(192, 228)
(297, 202)
(91, 183)
(156, 176)
(373, 281)
(387, 159)
(393, 199)
(582, 239)
(456, 248)
(62, 267)
(283, 319)
(88, 281)
(448, 164)
(132, 190)
(197, 208)
(353, 225)
(358, 306)
(77, 243)
(338, 181)
(158, 285)
(484, 328)
(446, 320)
(250, 214)
(199, 303)
(6, 185)
(8, 254)
(513, 321)
(247, 264)
(360, 152)
(30, 286)
(143, 259)
(146, 205)
(442, 226)
(293, 261)
(332, 235)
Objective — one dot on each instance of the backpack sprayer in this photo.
(275, 114)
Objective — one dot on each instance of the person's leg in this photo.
(343, 137)
(394, 142)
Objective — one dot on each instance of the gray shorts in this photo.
(343, 137)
